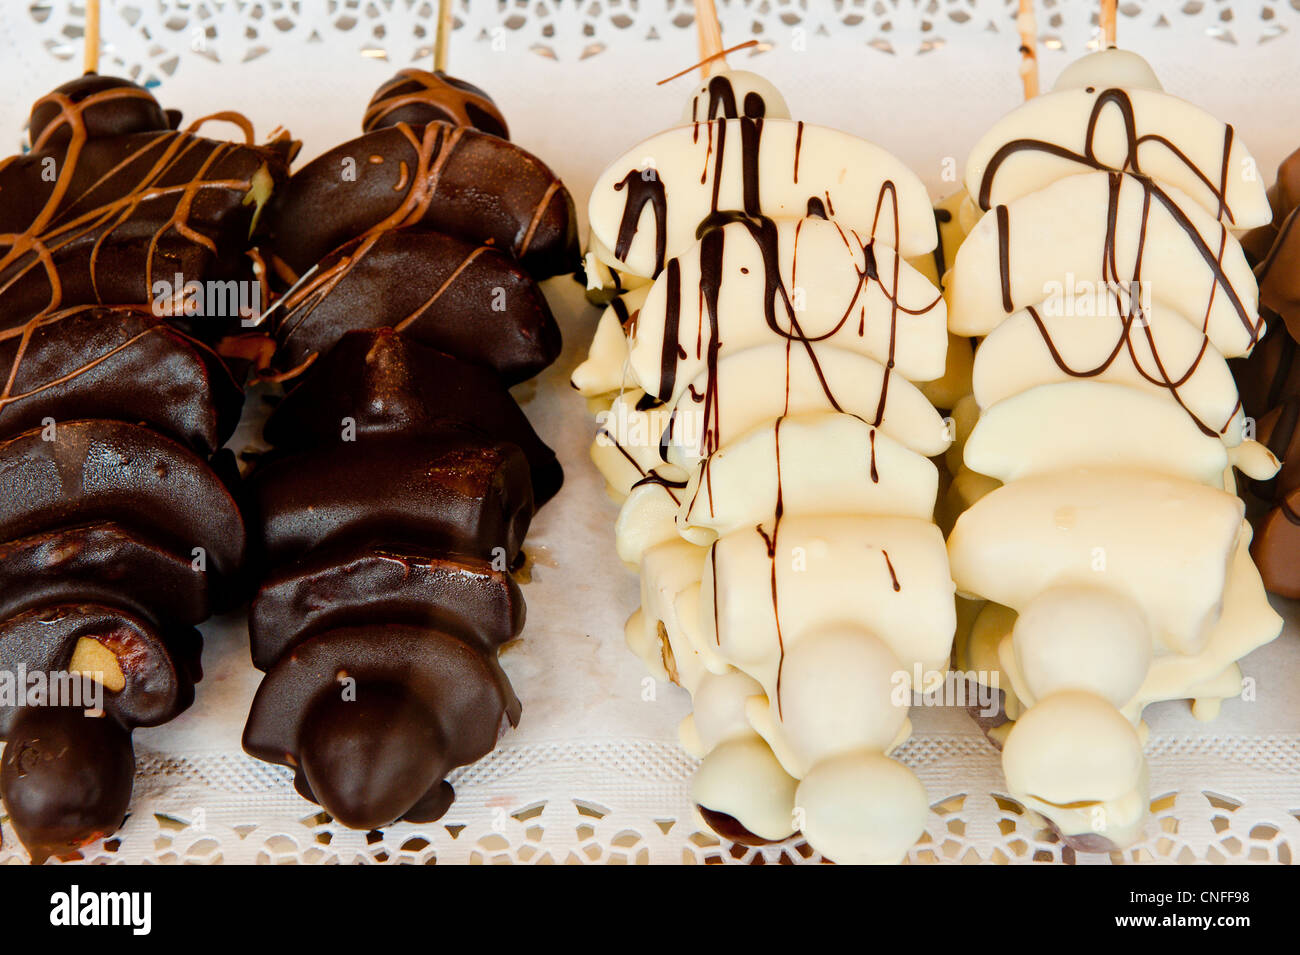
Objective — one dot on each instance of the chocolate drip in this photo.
(1131, 169)
(643, 190)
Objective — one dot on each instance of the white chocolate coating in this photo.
(1059, 120)
(858, 183)
(1164, 354)
(1082, 423)
(766, 382)
(871, 807)
(1046, 249)
(1109, 68)
(823, 459)
(1163, 542)
(606, 369)
(807, 279)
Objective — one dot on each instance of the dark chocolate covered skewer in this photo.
(404, 476)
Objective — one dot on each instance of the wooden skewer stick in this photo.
(92, 36)
(442, 39)
(1027, 23)
(1109, 11)
(712, 57)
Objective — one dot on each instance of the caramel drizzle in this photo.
(430, 90)
(25, 333)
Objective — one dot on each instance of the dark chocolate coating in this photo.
(120, 364)
(66, 779)
(418, 97)
(372, 759)
(451, 179)
(348, 750)
(104, 106)
(451, 493)
(101, 563)
(158, 685)
(390, 385)
(111, 471)
(433, 288)
(333, 589)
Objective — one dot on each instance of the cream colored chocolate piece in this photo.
(1047, 139)
(702, 169)
(887, 573)
(1163, 542)
(823, 463)
(811, 281)
(1075, 759)
(1109, 68)
(731, 93)
(1032, 251)
(646, 520)
(606, 369)
(604, 281)
(1159, 352)
(626, 447)
(862, 808)
(765, 382)
(1088, 423)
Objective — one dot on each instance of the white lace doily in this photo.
(594, 773)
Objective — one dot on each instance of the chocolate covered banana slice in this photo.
(124, 364)
(1098, 526)
(458, 494)
(809, 281)
(102, 563)
(471, 301)
(1158, 352)
(451, 179)
(384, 383)
(333, 589)
(1091, 424)
(1121, 230)
(88, 471)
(1104, 114)
(750, 387)
(132, 203)
(813, 464)
(148, 677)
